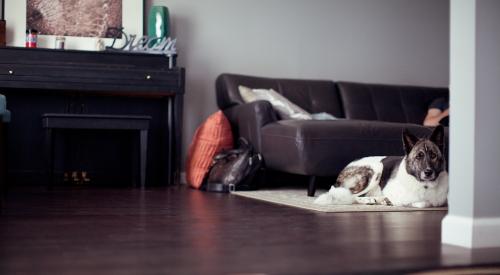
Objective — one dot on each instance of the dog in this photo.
(418, 179)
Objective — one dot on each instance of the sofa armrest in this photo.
(247, 120)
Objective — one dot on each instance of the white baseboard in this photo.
(471, 232)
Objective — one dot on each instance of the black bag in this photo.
(234, 169)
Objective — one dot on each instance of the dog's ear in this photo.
(437, 137)
(409, 140)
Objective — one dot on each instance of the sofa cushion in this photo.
(285, 108)
(210, 138)
(323, 148)
(405, 104)
(314, 96)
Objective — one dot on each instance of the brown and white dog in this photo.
(418, 179)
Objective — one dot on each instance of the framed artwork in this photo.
(81, 22)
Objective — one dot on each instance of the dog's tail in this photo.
(339, 195)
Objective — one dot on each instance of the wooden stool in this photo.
(52, 122)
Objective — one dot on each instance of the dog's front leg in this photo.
(421, 204)
(373, 200)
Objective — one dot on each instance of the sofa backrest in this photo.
(314, 96)
(393, 103)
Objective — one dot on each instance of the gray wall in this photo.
(475, 66)
(487, 155)
(473, 218)
(384, 41)
(462, 97)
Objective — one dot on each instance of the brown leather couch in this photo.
(373, 117)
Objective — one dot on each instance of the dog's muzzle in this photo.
(428, 175)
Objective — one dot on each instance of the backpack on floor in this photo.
(234, 170)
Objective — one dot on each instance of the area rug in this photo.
(298, 198)
(461, 271)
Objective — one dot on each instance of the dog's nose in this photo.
(428, 172)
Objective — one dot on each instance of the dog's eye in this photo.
(432, 155)
(420, 155)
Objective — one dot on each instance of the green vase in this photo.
(158, 23)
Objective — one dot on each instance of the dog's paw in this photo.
(373, 201)
(421, 204)
(387, 202)
(366, 200)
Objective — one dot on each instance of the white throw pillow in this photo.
(323, 116)
(281, 104)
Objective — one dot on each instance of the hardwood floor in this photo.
(181, 231)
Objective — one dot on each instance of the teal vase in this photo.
(158, 23)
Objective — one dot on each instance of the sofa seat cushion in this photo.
(323, 148)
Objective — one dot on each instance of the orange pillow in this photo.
(209, 139)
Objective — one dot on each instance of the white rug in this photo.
(298, 198)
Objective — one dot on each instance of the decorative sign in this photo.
(144, 44)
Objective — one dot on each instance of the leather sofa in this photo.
(372, 117)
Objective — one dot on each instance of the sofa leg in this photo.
(312, 186)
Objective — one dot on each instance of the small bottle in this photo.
(31, 38)
(59, 43)
(99, 44)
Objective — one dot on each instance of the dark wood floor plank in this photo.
(176, 230)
